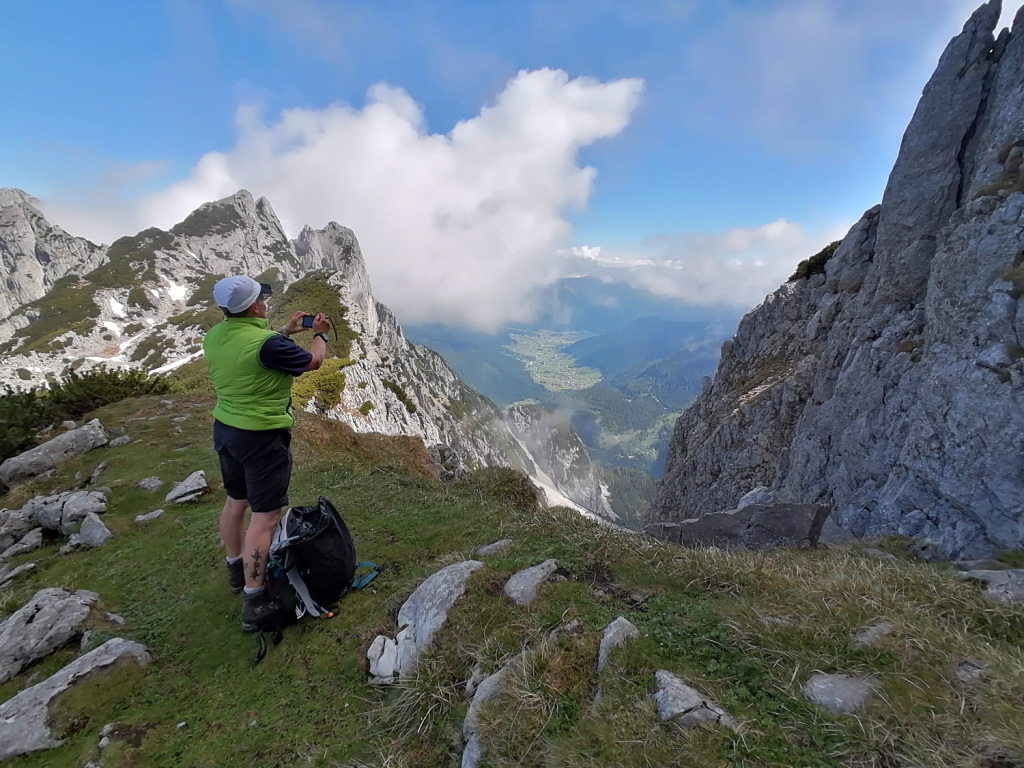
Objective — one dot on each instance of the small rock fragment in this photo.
(150, 483)
(149, 516)
(881, 554)
(970, 671)
(866, 637)
(615, 634)
(117, 442)
(522, 587)
(686, 705)
(491, 549)
(840, 694)
(189, 489)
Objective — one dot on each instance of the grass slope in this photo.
(699, 613)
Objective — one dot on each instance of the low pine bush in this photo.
(23, 414)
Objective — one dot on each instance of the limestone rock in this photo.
(30, 542)
(100, 469)
(77, 506)
(46, 622)
(189, 489)
(383, 658)
(149, 516)
(486, 691)
(150, 484)
(14, 525)
(426, 611)
(23, 718)
(44, 457)
(686, 705)
(1003, 586)
(94, 532)
(840, 694)
(615, 634)
(490, 549)
(117, 442)
(881, 554)
(10, 574)
(883, 387)
(522, 587)
(865, 637)
(756, 526)
(759, 495)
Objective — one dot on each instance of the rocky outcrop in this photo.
(889, 387)
(23, 718)
(754, 527)
(46, 622)
(45, 457)
(35, 254)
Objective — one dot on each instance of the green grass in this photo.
(698, 612)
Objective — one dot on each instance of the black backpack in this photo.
(312, 566)
(313, 551)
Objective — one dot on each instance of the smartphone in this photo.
(307, 321)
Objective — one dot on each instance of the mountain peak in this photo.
(15, 196)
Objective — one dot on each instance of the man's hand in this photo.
(295, 324)
(321, 324)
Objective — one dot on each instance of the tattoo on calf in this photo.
(257, 569)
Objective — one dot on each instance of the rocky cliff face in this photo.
(145, 302)
(891, 386)
(35, 254)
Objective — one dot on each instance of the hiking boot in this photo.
(258, 608)
(236, 577)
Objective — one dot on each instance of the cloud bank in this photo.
(457, 228)
(738, 267)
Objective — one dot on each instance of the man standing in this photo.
(252, 368)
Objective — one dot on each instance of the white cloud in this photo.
(456, 228)
(738, 267)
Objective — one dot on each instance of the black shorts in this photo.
(255, 465)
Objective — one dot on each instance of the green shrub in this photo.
(816, 264)
(22, 414)
(138, 297)
(366, 407)
(323, 386)
(192, 377)
(410, 406)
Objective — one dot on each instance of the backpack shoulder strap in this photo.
(361, 581)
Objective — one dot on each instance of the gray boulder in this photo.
(615, 634)
(23, 719)
(149, 516)
(840, 694)
(189, 489)
(686, 705)
(46, 622)
(14, 524)
(30, 542)
(490, 549)
(522, 587)
(426, 611)
(760, 495)
(1003, 586)
(10, 574)
(150, 484)
(756, 526)
(27, 465)
(77, 506)
(94, 532)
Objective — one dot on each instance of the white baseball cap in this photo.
(238, 292)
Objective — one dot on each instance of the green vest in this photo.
(249, 396)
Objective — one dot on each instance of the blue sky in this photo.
(708, 136)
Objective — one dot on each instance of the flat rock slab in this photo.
(522, 587)
(117, 442)
(866, 637)
(686, 705)
(840, 694)
(426, 611)
(23, 727)
(755, 527)
(46, 622)
(615, 634)
(491, 549)
(10, 574)
(149, 516)
(150, 484)
(1003, 586)
(189, 489)
(30, 542)
(47, 456)
(94, 532)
